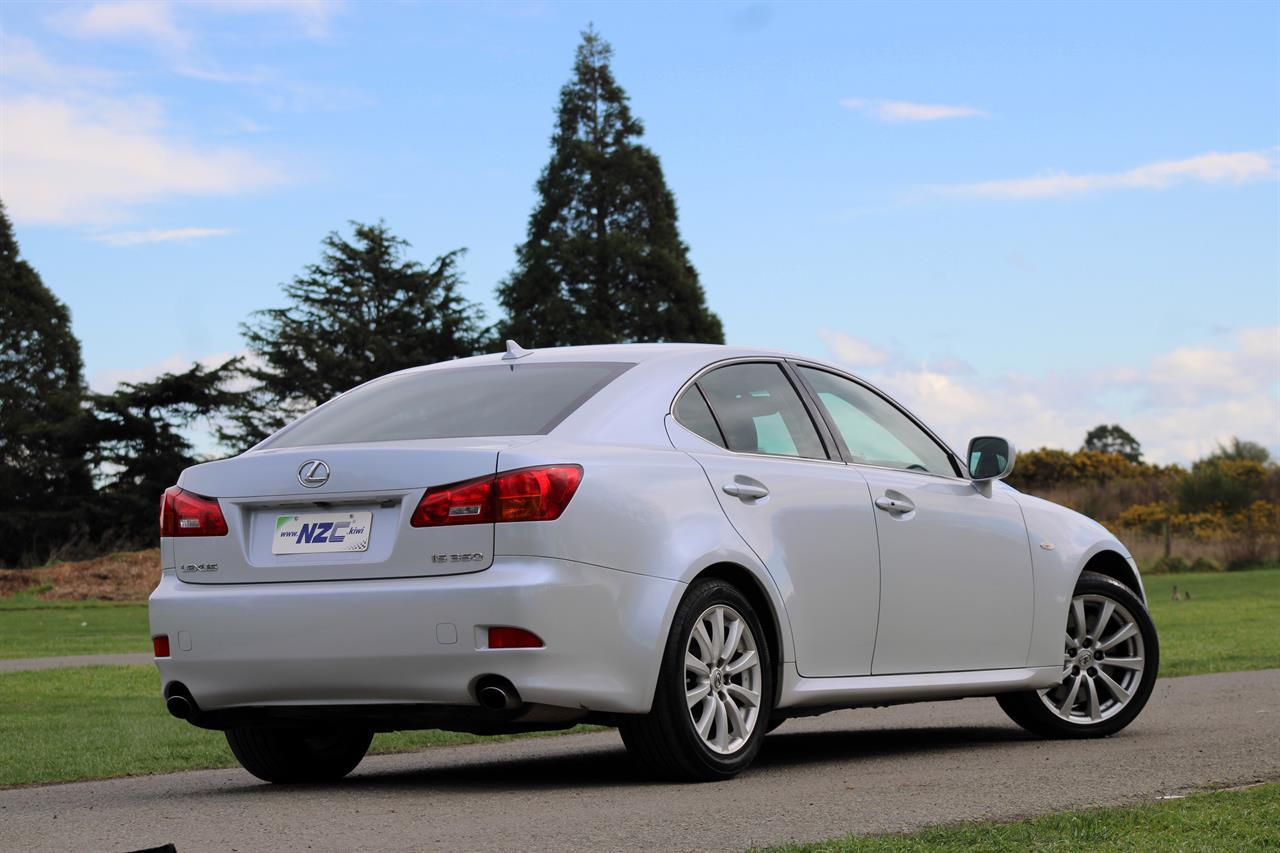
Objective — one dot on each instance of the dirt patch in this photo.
(127, 576)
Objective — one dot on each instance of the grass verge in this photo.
(1224, 622)
(95, 722)
(33, 627)
(1246, 819)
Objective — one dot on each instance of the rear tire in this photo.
(1106, 681)
(714, 692)
(290, 756)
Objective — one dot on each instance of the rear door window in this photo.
(759, 411)
(694, 414)
(462, 402)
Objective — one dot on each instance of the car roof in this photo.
(634, 353)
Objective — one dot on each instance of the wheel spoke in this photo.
(737, 725)
(746, 660)
(1116, 690)
(697, 694)
(704, 643)
(1104, 617)
(703, 723)
(722, 724)
(742, 694)
(1123, 663)
(732, 640)
(717, 634)
(1095, 708)
(692, 664)
(1070, 701)
(1119, 636)
(1077, 609)
(1071, 641)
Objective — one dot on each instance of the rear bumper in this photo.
(419, 640)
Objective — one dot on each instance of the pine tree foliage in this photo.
(362, 311)
(44, 478)
(603, 262)
(138, 440)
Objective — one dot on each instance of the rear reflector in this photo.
(513, 638)
(161, 645)
(526, 494)
(185, 514)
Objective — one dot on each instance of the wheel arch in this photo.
(1116, 566)
(751, 586)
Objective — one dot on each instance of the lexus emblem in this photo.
(314, 473)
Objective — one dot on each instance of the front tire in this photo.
(714, 693)
(288, 756)
(1110, 662)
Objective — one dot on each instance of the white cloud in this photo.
(91, 159)
(312, 17)
(159, 235)
(1181, 403)
(22, 62)
(1238, 167)
(151, 22)
(156, 22)
(852, 351)
(905, 111)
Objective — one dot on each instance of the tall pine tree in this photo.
(44, 476)
(361, 312)
(603, 262)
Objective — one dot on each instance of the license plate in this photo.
(322, 532)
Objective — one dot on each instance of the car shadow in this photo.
(606, 764)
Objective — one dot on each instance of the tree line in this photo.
(603, 262)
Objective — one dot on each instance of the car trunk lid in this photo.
(336, 513)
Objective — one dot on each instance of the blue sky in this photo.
(1023, 219)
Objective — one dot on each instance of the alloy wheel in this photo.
(1103, 662)
(722, 679)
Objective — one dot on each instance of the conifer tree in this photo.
(44, 475)
(603, 262)
(362, 311)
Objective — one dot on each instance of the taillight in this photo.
(185, 514)
(527, 494)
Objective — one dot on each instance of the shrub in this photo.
(1216, 483)
(1204, 564)
(1169, 566)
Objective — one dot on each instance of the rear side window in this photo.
(497, 399)
(760, 412)
(693, 413)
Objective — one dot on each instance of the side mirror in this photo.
(990, 458)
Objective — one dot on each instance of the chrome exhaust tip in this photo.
(497, 694)
(179, 706)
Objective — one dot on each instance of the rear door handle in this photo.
(746, 491)
(895, 506)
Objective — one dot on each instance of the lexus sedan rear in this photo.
(688, 542)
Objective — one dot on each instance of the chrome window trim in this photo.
(828, 441)
(946, 448)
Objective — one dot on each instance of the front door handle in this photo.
(746, 491)
(896, 506)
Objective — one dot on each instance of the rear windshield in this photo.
(494, 399)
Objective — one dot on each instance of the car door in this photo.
(798, 509)
(955, 562)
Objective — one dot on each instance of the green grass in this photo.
(1228, 624)
(95, 722)
(31, 627)
(1224, 820)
